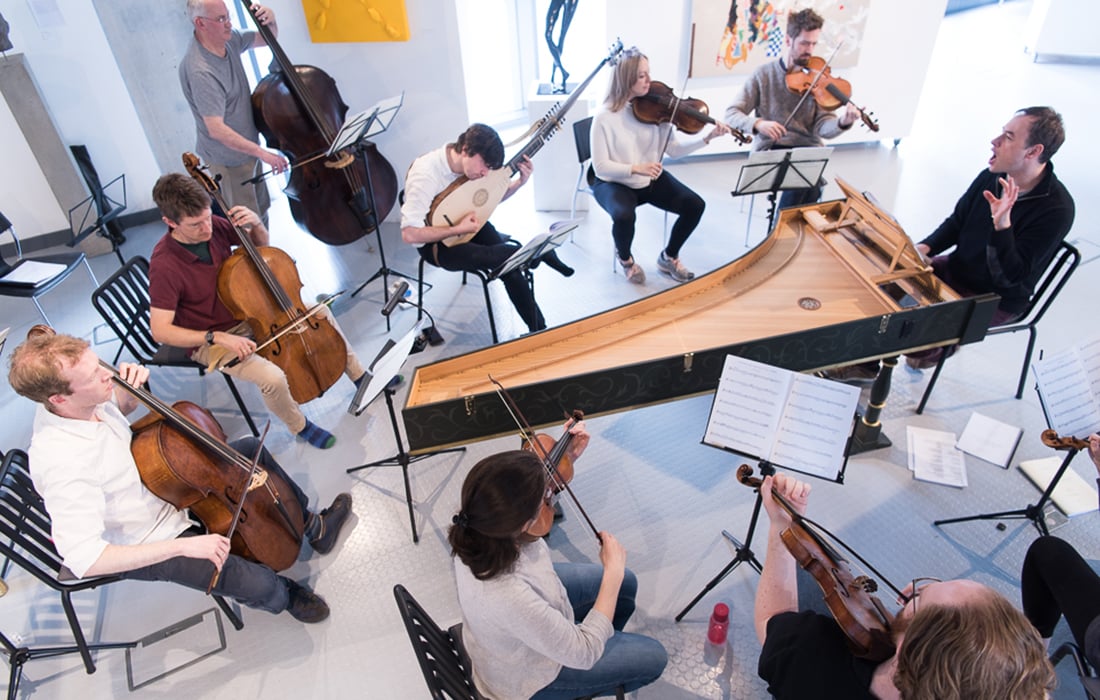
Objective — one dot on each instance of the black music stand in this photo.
(1033, 512)
(385, 368)
(753, 385)
(779, 170)
(355, 133)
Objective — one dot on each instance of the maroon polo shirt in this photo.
(180, 281)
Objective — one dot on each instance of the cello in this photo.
(255, 283)
(299, 111)
(183, 457)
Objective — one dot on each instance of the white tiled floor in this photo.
(646, 477)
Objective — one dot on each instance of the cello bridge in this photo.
(869, 585)
(341, 160)
(259, 478)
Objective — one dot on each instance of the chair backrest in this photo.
(446, 670)
(24, 523)
(104, 204)
(1065, 261)
(582, 135)
(123, 302)
(6, 227)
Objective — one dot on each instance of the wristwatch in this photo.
(209, 337)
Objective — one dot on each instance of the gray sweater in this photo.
(518, 627)
(766, 94)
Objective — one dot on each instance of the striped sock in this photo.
(317, 436)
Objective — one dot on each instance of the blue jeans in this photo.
(666, 193)
(249, 583)
(629, 660)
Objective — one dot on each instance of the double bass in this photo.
(256, 284)
(299, 111)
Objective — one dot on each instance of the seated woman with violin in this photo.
(104, 518)
(533, 628)
(626, 156)
(953, 640)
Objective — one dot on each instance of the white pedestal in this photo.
(556, 164)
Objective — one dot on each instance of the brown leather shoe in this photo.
(305, 605)
(332, 521)
(852, 374)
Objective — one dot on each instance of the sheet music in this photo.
(989, 439)
(786, 418)
(32, 273)
(1068, 383)
(933, 456)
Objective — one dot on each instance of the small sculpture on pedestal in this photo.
(556, 8)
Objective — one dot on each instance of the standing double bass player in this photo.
(217, 90)
(104, 519)
(186, 311)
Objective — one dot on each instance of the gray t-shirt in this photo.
(217, 86)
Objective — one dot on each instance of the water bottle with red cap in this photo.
(719, 624)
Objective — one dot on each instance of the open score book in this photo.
(792, 420)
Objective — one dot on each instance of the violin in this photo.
(829, 91)
(182, 456)
(690, 115)
(554, 471)
(559, 466)
(860, 615)
(1052, 439)
(253, 284)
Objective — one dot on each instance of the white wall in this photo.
(84, 92)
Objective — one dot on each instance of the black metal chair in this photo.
(21, 279)
(485, 280)
(1089, 681)
(1061, 267)
(442, 656)
(25, 539)
(442, 660)
(123, 302)
(582, 137)
(107, 201)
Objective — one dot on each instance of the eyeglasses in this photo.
(224, 19)
(917, 585)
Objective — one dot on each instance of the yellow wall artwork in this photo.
(356, 20)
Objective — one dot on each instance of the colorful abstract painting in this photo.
(733, 37)
(356, 20)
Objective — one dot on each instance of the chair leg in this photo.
(88, 267)
(489, 308)
(40, 311)
(230, 613)
(240, 404)
(78, 633)
(1027, 361)
(931, 383)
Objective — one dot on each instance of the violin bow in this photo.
(248, 484)
(528, 432)
(216, 361)
(813, 84)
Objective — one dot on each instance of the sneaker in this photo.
(305, 605)
(332, 521)
(853, 374)
(674, 268)
(633, 271)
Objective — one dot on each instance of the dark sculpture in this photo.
(556, 7)
(5, 42)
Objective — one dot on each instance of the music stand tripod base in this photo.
(744, 553)
(1033, 512)
(402, 459)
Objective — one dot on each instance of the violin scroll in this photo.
(1052, 439)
